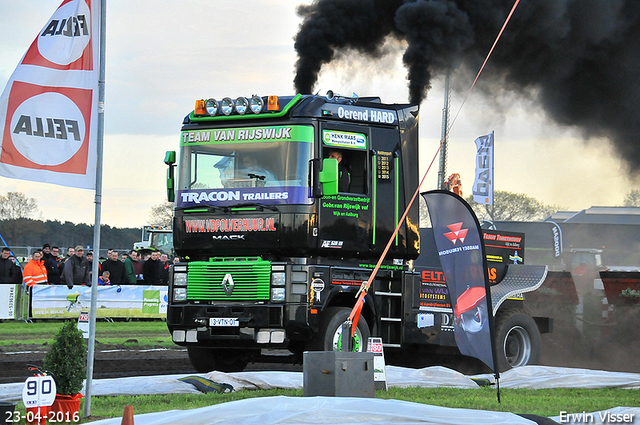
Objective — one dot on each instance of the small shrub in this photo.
(67, 359)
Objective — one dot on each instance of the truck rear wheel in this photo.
(331, 333)
(518, 340)
(208, 359)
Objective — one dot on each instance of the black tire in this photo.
(331, 331)
(518, 340)
(205, 360)
(201, 359)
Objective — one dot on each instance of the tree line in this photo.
(30, 232)
(18, 228)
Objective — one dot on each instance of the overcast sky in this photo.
(163, 55)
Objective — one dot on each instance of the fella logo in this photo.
(457, 233)
(65, 41)
(47, 128)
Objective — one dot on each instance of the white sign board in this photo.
(374, 345)
(83, 323)
(7, 301)
(39, 391)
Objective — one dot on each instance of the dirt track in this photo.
(113, 362)
(110, 362)
(118, 361)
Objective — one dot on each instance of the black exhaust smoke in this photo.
(580, 58)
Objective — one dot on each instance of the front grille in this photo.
(251, 280)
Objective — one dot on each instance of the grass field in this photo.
(147, 333)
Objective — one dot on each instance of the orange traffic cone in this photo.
(127, 418)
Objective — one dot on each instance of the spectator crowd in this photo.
(47, 267)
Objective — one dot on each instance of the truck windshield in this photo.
(162, 241)
(275, 172)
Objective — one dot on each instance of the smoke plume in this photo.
(582, 58)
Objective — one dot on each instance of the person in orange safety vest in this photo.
(35, 273)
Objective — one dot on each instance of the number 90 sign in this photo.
(39, 391)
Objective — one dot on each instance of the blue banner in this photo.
(458, 239)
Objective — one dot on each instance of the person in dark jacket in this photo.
(52, 264)
(7, 267)
(129, 268)
(152, 269)
(18, 270)
(76, 269)
(116, 269)
(164, 277)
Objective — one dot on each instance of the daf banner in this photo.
(483, 184)
(48, 110)
(458, 239)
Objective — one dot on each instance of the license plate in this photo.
(223, 322)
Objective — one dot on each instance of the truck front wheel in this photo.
(518, 340)
(331, 332)
(208, 359)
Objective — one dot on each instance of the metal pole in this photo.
(444, 135)
(98, 212)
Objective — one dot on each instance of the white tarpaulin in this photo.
(532, 377)
(344, 410)
(324, 410)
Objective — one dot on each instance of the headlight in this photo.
(277, 294)
(179, 279)
(226, 105)
(179, 294)
(256, 104)
(278, 279)
(241, 105)
(212, 107)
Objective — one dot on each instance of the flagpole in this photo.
(98, 208)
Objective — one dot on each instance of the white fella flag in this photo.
(49, 108)
(483, 183)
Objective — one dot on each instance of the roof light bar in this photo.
(240, 106)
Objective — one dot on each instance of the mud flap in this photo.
(518, 280)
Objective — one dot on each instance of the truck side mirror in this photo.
(328, 177)
(170, 160)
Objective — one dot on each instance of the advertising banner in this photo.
(48, 110)
(504, 247)
(483, 183)
(115, 301)
(8, 297)
(458, 240)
